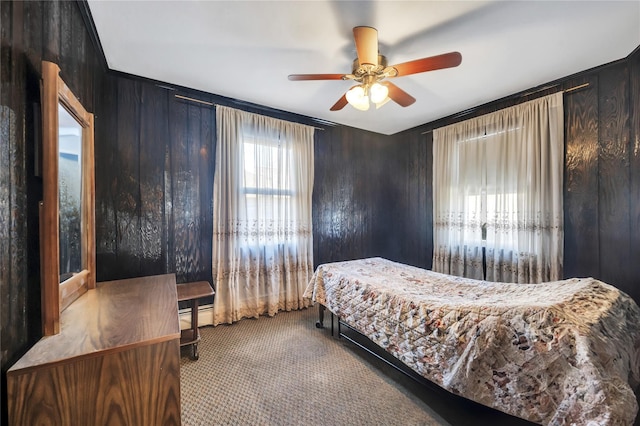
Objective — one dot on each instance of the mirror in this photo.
(67, 230)
(70, 193)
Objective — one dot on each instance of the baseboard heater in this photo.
(205, 316)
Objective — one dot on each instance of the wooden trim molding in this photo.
(57, 296)
(49, 246)
(90, 25)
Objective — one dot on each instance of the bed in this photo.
(564, 352)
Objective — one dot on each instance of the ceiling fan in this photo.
(370, 69)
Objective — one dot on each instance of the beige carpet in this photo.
(284, 371)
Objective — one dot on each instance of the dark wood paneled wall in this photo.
(372, 197)
(351, 194)
(412, 228)
(30, 32)
(633, 286)
(154, 182)
(602, 177)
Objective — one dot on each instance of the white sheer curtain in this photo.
(262, 229)
(497, 184)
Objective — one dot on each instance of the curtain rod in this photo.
(581, 86)
(194, 100)
(212, 104)
(576, 88)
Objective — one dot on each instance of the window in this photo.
(262, 230)
(268, 190)
(497, 182)
(493, 213)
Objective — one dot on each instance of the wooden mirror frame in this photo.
(56, 295)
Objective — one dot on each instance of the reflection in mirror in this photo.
(70, 192)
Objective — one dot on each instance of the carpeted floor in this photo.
(284, 371)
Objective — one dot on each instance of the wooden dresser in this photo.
(116, 360)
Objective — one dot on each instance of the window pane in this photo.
(266, 166)
(268, 171)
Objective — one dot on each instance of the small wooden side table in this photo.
(193, 291)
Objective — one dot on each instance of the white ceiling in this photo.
(246, 49)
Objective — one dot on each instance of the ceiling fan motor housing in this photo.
(359, 70)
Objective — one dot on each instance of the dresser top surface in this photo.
(115, 316)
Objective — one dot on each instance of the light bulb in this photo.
(378, 93)
(380, 104)
(355, 95)
(363, 105)
(357, 98)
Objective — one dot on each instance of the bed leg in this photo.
(320, 322)
(331, 324)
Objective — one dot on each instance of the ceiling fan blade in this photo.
(398, 95)
(301, 77)
(340, 104)
(366, 39)
(446, 60)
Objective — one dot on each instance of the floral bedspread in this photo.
(565, 352)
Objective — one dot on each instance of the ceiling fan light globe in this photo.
(357, 98)
(362, 104)
(355, 95)
(378, 93)
(381, 103)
